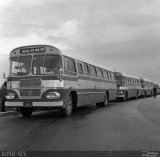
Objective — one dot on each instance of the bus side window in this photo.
(99, 73)
(65, 64)
(132, 81)
(80, 68)
(86, 69)
(109, 76)
(112, 74)
(93, 71)
(125, 80)
(70, 66)
(105, 74)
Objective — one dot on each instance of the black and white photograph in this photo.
(80, 78)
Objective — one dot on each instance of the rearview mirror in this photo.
(60, 72)
(4, 75)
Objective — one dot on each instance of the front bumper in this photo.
(35, 104)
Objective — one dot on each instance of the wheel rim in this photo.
(69, 107)
(106, 100)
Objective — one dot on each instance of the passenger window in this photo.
(112, 76)
(126, 80)
(109, 76)
(80, 68)
(71, 65)
(86, 69)
(93, 70)
(105, 73)
(99, 72)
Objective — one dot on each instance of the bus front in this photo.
(35, 79)
(121, 89)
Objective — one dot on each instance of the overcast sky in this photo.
(120, 34)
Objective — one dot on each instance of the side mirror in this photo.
(60, 72)
(4, 75)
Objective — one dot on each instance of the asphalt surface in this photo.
(131, 125)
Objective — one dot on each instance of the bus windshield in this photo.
(20, 65)
(41, 65)
(120, 80)
(46, 64)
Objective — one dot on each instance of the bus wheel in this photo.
(143, 95)
(26, 112)
(124, 98)
(103, 104)
(67, 110)
(136, 96)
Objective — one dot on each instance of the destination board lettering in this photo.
(32, 50)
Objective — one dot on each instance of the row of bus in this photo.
(42, 77)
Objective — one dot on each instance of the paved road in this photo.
(131, 125)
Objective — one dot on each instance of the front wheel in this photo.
(26, 112)
(67, 110)
(124, 98)
(104, 103)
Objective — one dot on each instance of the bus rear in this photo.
(35, 79)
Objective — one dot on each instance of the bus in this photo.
(43, 77)
(147, 86)
(128, 86)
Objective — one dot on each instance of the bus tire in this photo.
(67, 110)
(104, 103)
(26, 112)
(124, 98)
(143, 95)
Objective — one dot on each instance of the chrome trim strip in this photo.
(36, 104)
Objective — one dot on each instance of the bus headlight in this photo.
(121, 92)
(53, 95)
(10, 96)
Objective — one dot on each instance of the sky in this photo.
(120, 34)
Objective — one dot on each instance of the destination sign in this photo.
(32, 50)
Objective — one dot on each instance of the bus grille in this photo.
(30, 83)
(30, 92)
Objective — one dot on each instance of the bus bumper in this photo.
(35, 104)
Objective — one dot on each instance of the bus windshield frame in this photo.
(37, 64)
(120, 80)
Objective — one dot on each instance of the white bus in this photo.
(41, 76)
(128, 86)
(148, 86)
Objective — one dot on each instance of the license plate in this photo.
(27, 104)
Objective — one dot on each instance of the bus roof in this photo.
(81, 59)
(127, 75)
(147, 80)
